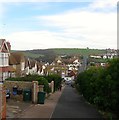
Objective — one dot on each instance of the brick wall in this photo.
(21, 85)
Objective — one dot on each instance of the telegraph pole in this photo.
(83, 66)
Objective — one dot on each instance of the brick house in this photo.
(5, 48)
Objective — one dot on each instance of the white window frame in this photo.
(4, 59)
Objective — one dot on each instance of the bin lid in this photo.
(27, 89)
(41, 92)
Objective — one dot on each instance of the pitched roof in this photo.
(3, 46)
(16, 58)
(27, 62)
(1, 42)
(12, 60)
(39, 66)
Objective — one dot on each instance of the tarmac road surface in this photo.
(73, 105)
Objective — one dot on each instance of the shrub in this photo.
(43, 81)
(56, 78)
(100, 86)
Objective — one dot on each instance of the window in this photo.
(4, 59)
(5, 75)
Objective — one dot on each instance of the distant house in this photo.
(58, 60)
(109, 56)
(5, 48)
(33, 67)
(27, 66)
(72, 74)
(17, 61)
(96, 56)
(22, 65)
(39, 68)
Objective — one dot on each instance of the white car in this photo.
(68, 82)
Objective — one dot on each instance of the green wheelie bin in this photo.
(27, 95)
(41, 97)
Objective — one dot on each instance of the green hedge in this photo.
(42, 80)
(27, 78)
(100, 86)
(56, 78)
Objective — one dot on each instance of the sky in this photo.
(43, 24)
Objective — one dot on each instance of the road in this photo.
(73, 105)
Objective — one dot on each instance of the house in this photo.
(27, 66)
(22, 66)
(17, 62)
(5, 48)
(33, 66)
(96, 56)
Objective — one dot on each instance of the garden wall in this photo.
(21, 85)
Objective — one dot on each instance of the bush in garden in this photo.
(56, 78)
(43, 81)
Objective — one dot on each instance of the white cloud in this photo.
(78, 29)
(106, 4)
(35, 40)
(98, 29)
(46, 0)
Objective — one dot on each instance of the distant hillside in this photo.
(78, 51)
(50, 54)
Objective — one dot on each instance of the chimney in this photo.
(9, 46)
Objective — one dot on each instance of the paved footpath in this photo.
(73, 105)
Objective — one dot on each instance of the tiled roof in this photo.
(39, 66)
(11, 69)
(27, 62)
(12, 60)
(1, 42)
(16, 57)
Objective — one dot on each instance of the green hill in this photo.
(50, 54)
(78, 51)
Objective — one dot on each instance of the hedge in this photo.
(56, 78)
(44, 80)
(100, 86)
